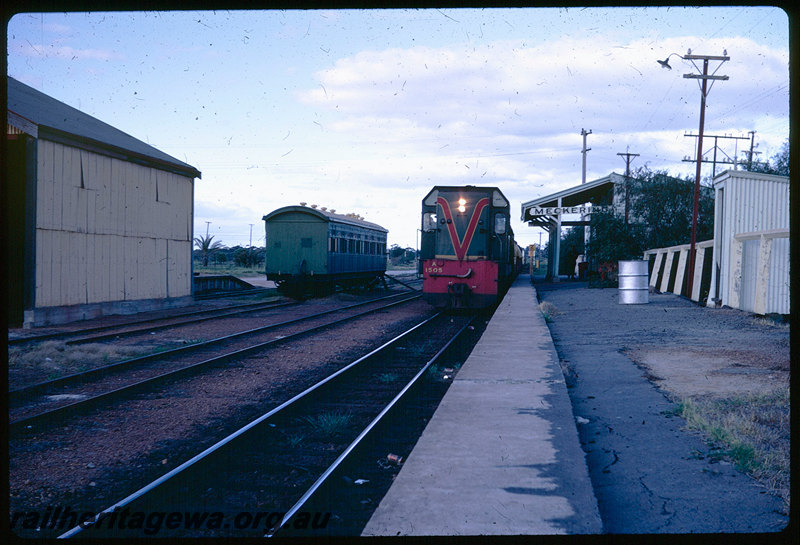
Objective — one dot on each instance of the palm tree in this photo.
(206, 247)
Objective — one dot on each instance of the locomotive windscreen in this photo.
(464, 218)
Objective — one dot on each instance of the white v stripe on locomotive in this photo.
(462, 245)
(468, 256)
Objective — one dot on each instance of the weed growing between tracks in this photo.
(50, 360)
(751, 430)
(329, 424)
(56, 358)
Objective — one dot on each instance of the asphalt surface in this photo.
(648, 471)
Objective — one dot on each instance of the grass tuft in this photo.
(548, 310)
(329, 424)
(55, 358)
(752, 431)
(387, 378)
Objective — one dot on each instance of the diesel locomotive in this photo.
(311, 251)
(468, 256)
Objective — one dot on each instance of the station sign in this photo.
(536, 211)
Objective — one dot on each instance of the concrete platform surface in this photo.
(501, 454)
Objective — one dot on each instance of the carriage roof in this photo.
(326, 216)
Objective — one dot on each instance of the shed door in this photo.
(15, 201)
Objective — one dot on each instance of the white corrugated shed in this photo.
(751, 242)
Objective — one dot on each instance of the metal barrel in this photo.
(633, 288)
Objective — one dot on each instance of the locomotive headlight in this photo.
(462, 205)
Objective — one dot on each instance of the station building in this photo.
(549, 211)
(97, 222)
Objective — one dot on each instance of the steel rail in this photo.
(229, 293)
(34, 389)
(89, 330)
(241, 431)
(189, 369)
(130, 332)
(352, 446)
(392, 278)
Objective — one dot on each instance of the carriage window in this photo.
(499, 223)
(305, 242)
(428, 221)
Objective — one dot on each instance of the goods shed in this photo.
(98, 222)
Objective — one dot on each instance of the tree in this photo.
(401, 256)
(248, 257)
(611, 240)
(663, 205)
(206, 247)
(660, 216)
(396, 252)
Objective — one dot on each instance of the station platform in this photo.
(501, 454)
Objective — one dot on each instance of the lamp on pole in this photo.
(704, 78)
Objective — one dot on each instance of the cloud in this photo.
(507, 88)
(64, 52)
(509, 114)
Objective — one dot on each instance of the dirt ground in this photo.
(691, 371)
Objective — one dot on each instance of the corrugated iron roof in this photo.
(58, 121)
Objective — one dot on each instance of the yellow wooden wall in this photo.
(109, 230)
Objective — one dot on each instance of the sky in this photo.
(365, 111)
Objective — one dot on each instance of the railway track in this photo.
(174, 319)
(257, 480)
(146, 325)
(38, 405)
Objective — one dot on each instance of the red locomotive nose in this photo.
(466, 248)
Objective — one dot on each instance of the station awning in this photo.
(570, 201)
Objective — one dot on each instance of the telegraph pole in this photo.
(704, 77)
(751, 152)
(584, 133)
(628, 158)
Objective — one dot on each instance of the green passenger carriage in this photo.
(312, 250)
